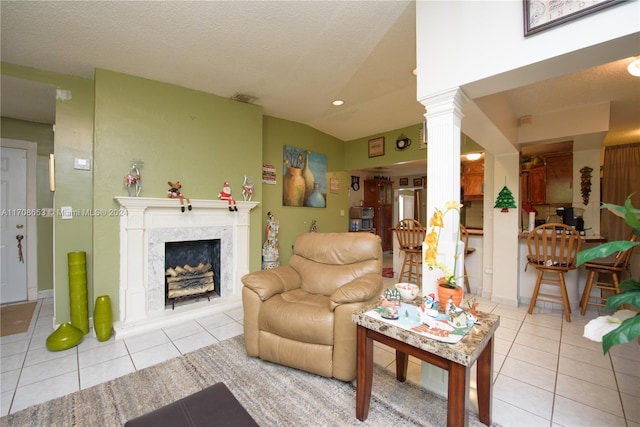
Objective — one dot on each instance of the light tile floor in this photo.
(545, 372)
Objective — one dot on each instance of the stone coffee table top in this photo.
(465, 352)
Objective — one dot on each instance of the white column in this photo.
(444, 120)
(133, 296)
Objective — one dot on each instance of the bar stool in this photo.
(410, 237)
(464, 235)
(553, 248)
(613, 266)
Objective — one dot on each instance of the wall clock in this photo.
(402, 143)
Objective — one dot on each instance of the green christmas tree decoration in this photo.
(505, 200)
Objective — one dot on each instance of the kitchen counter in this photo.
(589, 238)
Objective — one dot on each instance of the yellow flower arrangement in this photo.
(432, 239)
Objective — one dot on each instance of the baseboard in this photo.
(45, 294)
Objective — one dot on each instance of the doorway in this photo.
(410, 204)
(18, 275)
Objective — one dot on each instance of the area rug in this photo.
(15, 319)
(273, 395)
(387, 272)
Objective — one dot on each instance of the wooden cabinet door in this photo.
(473, 181)
(537, 191)
(559, 177)
(370, 193)
(473, 184)
(385, 217)
(379, 195)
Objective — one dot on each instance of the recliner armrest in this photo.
(267, 283)
(361, 289)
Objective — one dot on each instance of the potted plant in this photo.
(624, 325)
(527, 161)
(447, 284)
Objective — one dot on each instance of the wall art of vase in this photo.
(311, 168)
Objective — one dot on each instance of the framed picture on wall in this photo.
(304, 178)
(540, 15)
(376, 147)
(417, 182)
(403, 182)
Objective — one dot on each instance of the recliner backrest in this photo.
(326, 261)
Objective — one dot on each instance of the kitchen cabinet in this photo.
(473, 181)
(559, 177)
(534, 185)
(549, 183)
(378, 193)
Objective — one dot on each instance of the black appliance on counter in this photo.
(573, 217)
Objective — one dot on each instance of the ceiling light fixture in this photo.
(337, 102)
(473, 156)
(634, 68)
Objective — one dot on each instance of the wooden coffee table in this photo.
(457, 359)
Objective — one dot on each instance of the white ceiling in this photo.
(294, 56)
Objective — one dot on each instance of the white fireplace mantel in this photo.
(145, 225)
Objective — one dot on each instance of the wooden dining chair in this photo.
(612, 266)
(464, 236)
(553, 249)
(410, 237)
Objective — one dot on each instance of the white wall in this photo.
(465, 42)
(479, 47)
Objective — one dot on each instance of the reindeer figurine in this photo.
(247, 188)
(132, 179)
(174, 193)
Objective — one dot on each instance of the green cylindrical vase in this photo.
(79, 304)
(102, 318)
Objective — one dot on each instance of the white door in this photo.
(13, 209)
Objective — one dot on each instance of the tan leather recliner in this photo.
(300, 315)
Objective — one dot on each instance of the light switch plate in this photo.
(66, 212)
(82, 164)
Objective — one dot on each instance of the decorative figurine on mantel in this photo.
(132, 179)
(271, 247)
(174, 193)
(225, 194)
(247, 188)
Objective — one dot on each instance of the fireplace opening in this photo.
(192, 270)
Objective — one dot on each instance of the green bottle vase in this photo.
(102, 318)
(78, 302)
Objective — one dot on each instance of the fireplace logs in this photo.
(189, 282)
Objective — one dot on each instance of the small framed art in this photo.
(403, 182)
(417, 182)
(376, 147)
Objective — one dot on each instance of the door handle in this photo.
(19, 226)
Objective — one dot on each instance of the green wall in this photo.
(357, 150)
(199, 139)
(357, 154)
(296, 220)
(73, 138)
(180, 134)
(42, 134)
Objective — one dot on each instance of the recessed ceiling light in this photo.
(338, 102)
(634, 68)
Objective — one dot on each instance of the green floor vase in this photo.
(102, 318)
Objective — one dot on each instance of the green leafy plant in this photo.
(628, 327)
